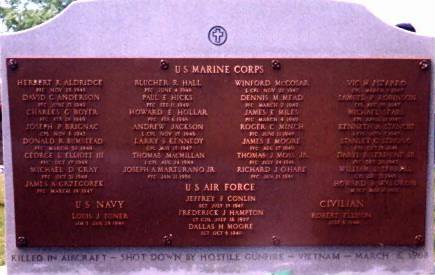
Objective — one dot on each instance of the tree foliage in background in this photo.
(23, 14)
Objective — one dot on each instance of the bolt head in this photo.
(12, 64)
(275, 240)
(424, 65)
(167, 239)
(21, 241)
(419, 239)
(276, 65)
(164, 65)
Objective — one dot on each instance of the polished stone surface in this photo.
(179, 28)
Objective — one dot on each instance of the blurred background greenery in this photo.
(17, 15)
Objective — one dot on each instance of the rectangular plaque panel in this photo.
(219, 152)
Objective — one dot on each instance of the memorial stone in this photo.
(238, 137)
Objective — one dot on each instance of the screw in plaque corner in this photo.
(419, 239)
(21, 241)
(424, 65)
(12, 64)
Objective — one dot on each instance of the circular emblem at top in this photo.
(217, 35)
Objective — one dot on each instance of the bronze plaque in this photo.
(219, 152)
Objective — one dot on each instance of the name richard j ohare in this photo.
(219, 69)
